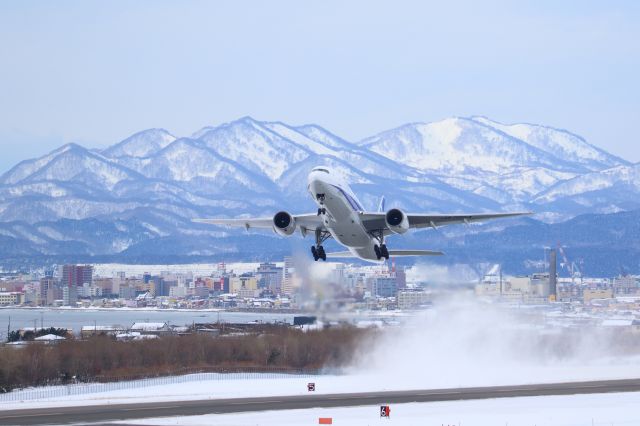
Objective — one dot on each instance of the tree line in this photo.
(101, 358)
(28, 335)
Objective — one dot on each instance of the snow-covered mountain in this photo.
(272, 148)
(141, 144)
(493, 161)
(462, 145)
(559, 143)
(610, 190)
(151, 184)
(70, 164)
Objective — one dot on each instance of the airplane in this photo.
(341, 216)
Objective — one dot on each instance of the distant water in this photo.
(75, 319)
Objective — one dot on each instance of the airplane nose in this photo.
(313, 177)
(315, 182)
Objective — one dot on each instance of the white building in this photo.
(10, 298)
(408, 299)
(151, 327)
(288, 276)
(88, 330)
(178, 292)
(89, 290)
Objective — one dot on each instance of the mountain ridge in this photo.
(253, 167)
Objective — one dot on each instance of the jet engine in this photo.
(396, 221)
(284, 224)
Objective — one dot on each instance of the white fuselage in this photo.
(342, 213)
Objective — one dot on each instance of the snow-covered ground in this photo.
(614, 409)
(328, 384)
(191, 390)
(457, 344)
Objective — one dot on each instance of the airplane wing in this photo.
(264, 222)
(309, 221)
(392, 253)
(375, 221)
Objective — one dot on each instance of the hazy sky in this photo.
(96, 72)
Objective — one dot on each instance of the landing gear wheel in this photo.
(384, 252)
(318, 253)
(322, 210)
(378, 251)
(321, 236)
(321, 254)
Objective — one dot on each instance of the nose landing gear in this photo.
(321, 209)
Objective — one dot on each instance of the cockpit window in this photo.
(319, 169)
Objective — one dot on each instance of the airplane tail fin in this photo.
(381, 205)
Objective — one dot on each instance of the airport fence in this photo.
(122, 383)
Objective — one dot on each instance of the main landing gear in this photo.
(318, 251)
(381, 250)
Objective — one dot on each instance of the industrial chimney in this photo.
(553, 277)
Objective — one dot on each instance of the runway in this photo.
(107, 413)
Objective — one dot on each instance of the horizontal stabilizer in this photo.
(392, 253)
(400, 253)
(340, 254)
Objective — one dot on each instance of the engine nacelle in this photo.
(284, 224)
(396, 221)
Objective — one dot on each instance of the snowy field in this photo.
(196, 390)
(355, 382)
(457, 345)
(615, 409)
(462, 344)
